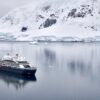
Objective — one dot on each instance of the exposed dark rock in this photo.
(40, 16)
(81, 12)
(9, 18)
(46, 8)
(53, 16)
(85, 6)
(92, 27)
(48, 22)
(72, 13)
(24, 29)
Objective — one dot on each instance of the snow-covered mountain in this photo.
(57, 20)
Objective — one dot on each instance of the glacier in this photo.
(54, 20)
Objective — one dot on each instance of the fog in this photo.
(8, 5)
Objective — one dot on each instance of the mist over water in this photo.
(65, 71)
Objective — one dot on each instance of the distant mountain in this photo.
(64, 19)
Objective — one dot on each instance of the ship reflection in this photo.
(18, 82)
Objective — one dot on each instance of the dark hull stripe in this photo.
(19, 71)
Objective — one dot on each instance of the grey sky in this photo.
(7, 5)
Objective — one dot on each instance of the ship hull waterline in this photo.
(18, 71)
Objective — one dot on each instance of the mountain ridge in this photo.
(65, 18)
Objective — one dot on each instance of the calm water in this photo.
(69, 71)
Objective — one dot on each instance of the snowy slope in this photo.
(62, 20)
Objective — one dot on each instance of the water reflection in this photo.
(81, 59)
(64, 72)
(18, 82)
(87, 65)
(49, 57)
(78, 67)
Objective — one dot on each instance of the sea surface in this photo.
(65, 71)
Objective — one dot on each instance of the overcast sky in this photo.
(7, 5)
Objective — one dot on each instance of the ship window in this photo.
(26, 66)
